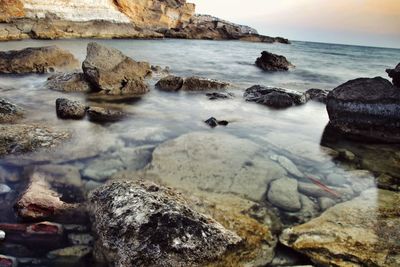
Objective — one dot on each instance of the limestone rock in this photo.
(9, 112)
(113, 73)
(68, 109)
(283, 194)
(68, 82)
(143, 224)
(170, 83)
(361, 232)
(366, 109)
(272, 62)
(199, 84)
(209, 162)
(37, 60)
(395, 75)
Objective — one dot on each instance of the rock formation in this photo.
(366, 109)
(272, 62)
(68, 109)
(173, 83)
(9, 112)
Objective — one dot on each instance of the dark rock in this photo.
(68, 82)
(37, 60)
(143, 224)
(223, 123)
(98, 114)
(170, 83)
(200, 84)
(113, 73)
(395, 75)
(366, 109)
(8, 261)
(216, 95)
(9, 112)
(272, 62)
(68, 109)
(274, 97)
(318, 95)
(213, 122)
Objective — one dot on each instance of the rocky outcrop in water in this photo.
(173, 83)
(362, 232)
(395, 75)
(143, 224)
(9, 112)
(317, 95)
(272, 62)
(366, 109)
(37, 60)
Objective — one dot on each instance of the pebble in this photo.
(4, 189)
(283, 194)
(288, 165)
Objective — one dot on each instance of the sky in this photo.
(359, 22)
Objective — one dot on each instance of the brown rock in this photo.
(199, 84)
(10, 9)
(170, 83)
(9, 112)
(98, 114)
(68, 82)
(68, 109)
(37, 60)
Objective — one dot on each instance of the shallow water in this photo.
(158, 116)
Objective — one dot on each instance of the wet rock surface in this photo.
(68, 109)
(113, 73)
(69, 82)
(143, 224)
(9, 112)
(360, 232)
(366, 109)
(174, 83)
(37, 60)
(274, 97)
(103, 115)
(272, 62)
(395, 75)
(170, 83)
(317, 95)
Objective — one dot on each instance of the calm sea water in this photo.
(160, 116)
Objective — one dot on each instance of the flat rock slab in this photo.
(362, 232)
(211, 162)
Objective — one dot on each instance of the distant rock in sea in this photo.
(272, 62)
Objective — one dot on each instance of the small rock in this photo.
(170, 83)
(102, 169)
(68, 82)
(102, 115)
(395, 75)
(347, 155)
(388, 182)
(273, 62)
(288, 165)
(318, 95)
(68, 109)
(308, 210)
(70, 252)
(325, 203)
(213, 122)
(283, 194)
(216, 95)
(201, 84)
(4, 189)
(9, 112)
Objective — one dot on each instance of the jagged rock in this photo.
(68, 109)
(283, 194)
(68, 82)
(395, 75)
(9, 112)
(37, 60)
(318, 95)
(366, 109)
(272, 62)
(113, 73)
(22, 138)
(361, 232)
(181, 163)
(199, 84)
(274, 97)
(170, 83)
(99, 114)
(143, 224)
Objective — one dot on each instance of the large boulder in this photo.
(362, 232)
(143, 224)
(9, 112)
(395, 75)
(272, 62)
(210, 162)
(366, 109)
(113, 73)
(274, 97)
(37, 60)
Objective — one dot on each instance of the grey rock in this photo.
(9, 112)
(336, 179)
(68, 109)
(283, 194)
(360, 180)
(68, 82)
(170, 83)
(346, 155)
(102, 169)
(288, 165)
(317, 95)
(395, 75)
(272, 62)
(309, 209)
(325, 203)
(143, 224)
(91, 185)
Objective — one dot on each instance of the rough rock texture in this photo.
(143, 224)
(37, 60)
(113, 73)
(366, 109)
(194, 83)
(99, 114)
(318, 95)
(395, 75)
(274, 97)
(212, 28)
(68, 82)
(362, 232)
(21, 138)
(208, 161)
(170, 83)
(9, 112)
(68, 109)
(272, 62)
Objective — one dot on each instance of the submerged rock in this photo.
(68, 82)
(143, 224)
(170, 83)
(113, 73)
(274, 97)
(37, 60)
(9, 112)
(272, 62)
(283, 194)
(395, 75)
(361, 232)
(68, 109)
(102, 115)
(366, 109)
